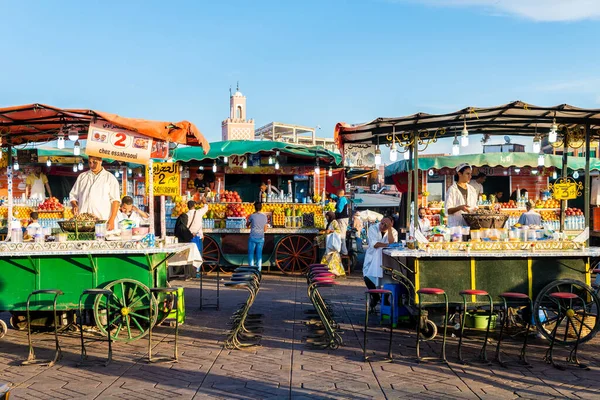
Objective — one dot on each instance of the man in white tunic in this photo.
(379, 236)
(96, 192)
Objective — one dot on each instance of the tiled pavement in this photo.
(284, 366)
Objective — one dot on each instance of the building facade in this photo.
(237, 126)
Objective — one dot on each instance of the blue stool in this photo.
(386, 306)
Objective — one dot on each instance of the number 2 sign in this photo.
(109, 141)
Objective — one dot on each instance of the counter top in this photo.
(84, 247)
(586, 252)
(269, 231)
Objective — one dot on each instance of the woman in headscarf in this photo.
(461, 197)
(331, 240)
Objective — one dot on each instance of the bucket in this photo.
(479, 320)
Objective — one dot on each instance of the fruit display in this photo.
(308, 220)
(180, 208)
(278, 217)
(217, 210)
(51, 204)
(550, 215)
(573, 212)
(22, 212)
(236, 211)
(330, 206)
(84, 217)
(228, 196)
(320, 221)
(550, 203)
(508, 204)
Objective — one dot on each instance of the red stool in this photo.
(382, 292)
(423, 318)
(564, 301)
(482, 353)
(514, 297)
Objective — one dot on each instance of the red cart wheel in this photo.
(294, 254)
(210, 254)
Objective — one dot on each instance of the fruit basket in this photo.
(478, 221)
(78, 226)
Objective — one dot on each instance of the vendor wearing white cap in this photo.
(461, 197)
(96, 192)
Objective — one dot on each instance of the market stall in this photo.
(486, 254)
(128, 264)
(294, 177)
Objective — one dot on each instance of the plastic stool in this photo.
(386, 309)
(568, 313)
(173, 291)
(215, 305)
(96, 292)
(382, 292)
(432, 292)
(482, 353)
(58, 353)
(514, 297)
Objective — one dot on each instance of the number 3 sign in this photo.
(109, 141)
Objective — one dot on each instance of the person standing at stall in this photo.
(530, 217)
(461, 197)
(380, 235)
(257, 222)
(341, 216)
(195, 222)
(37, 184)
(96, 192)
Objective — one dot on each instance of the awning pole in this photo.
(408, 190)
(416, 188)
(587, 182)
(9, 184)
(151, 194)
(563, 203)
(163, 222)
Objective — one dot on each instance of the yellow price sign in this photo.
(565, 191)
(166, 179)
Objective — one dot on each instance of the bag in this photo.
(333, 242)
(182, 230)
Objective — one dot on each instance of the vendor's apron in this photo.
(38, 189)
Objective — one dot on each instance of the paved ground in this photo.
(284, 366)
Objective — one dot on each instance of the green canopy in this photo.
(239, 147)
(493, 160)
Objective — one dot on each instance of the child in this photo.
(34, 221)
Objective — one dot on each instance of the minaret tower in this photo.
(237, 127)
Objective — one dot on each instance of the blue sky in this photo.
(310, 62)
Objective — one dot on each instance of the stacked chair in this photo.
(245, 327)
(325, 329)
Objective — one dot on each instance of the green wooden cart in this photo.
(72, 267)
(537, 274)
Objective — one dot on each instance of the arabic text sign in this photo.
(565, 191)
(166, 179)
(109, 141)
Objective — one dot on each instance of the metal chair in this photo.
(173, 291)
(482, 354)
(514, 297)
(564, 301)
(217, 268)
(432, 292)
(383, 293)
(58, 353)
(96, 292)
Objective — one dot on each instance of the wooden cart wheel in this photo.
(546, 315)
(3, 329)
(294, 254)
(129, 309)
(210, 254)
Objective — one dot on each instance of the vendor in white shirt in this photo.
(97, 192)
(379, 235)
(477, 183)
(424, 223)
(131, 212)
(461, 197)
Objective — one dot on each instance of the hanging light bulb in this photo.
(553, 135)
(270, 160)
(464, 136)
(245, 163)
(541, 160)
(74, 167)
(554, 175)
(73, 135)
(317, 169)
(139, 174)
(276, 164)
(225, 159)
(575, 174)
(117, 174)
(534, 172)
(430, 172)
(80, 166)
(393, 155)
(215, 167)
(60, 142)
(455, 146)
(76, 148)
(129, 171)
(394, 148)
(407, 155)
(330, 171)
(517, 170)
(377, 156)
(536, 144)
(16, 165)
(49, 162)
